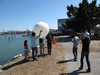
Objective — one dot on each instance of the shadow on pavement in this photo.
(76, 72)
(15, 64)
(65, 61)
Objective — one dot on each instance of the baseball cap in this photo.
(86, 35)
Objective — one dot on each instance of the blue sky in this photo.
(23, 14)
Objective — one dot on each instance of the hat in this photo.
(86, 35)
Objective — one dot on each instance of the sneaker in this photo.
(27, 60)
(88, 70)
(80, 68)
(33, 60)
(36, 59)
(1, 70)
(75, 59)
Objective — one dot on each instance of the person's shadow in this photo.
(65, 61)
(76, 72)
(15, 64)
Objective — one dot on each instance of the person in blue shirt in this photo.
(34, 45)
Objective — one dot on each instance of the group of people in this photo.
(37, 42)
(85, 40)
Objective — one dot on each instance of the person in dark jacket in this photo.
(85, 52)
(49, 43)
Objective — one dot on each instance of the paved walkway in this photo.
(73, 66)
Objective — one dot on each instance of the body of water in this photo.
(11, 45)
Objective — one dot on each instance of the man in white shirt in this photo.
(75, 41)
(35, 45)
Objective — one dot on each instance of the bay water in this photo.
(11, 45)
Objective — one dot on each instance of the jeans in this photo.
(86, 54)
(75, 52)
(41, 49)
(34, 52)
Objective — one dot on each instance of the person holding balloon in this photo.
(41, 26)
(35, 45)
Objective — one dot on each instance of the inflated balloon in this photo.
(41, 26)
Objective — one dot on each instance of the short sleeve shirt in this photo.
(75, 41)
(34, 41)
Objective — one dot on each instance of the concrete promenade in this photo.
(73, 66)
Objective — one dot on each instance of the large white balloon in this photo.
(41, 26)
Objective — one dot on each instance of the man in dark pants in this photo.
(49, 43)
(85, 52)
